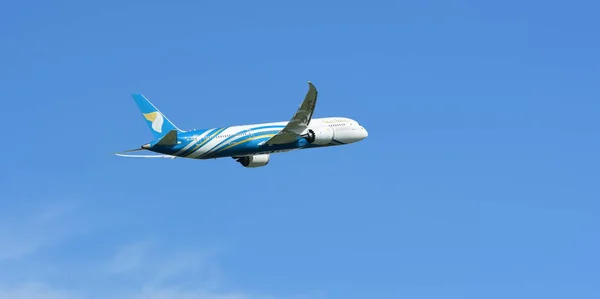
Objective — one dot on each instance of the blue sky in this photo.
(479, 178)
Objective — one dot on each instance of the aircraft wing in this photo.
(299, 121)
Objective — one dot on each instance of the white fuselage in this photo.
(250, 139)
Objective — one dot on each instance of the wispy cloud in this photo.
(35, 291)
(38, 291)
(162, 273)
(140, 269)
(147, 263)
(198, 294)
(129, 258)
(25, 231)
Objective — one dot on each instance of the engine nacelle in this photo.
(254, 161)
(320, 136)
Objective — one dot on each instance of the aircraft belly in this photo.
(253, 147)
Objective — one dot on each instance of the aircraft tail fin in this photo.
(158, 123)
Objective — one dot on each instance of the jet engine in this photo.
(320, 136)
(254, 161)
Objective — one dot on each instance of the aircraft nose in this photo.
(365, 133)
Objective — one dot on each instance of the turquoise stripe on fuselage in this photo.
(204, 141)
(192, 140)
(240, 146)
(199, 144)
(254, 146)
(253, 133)
(237, 144)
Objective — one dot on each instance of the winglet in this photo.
(299, 121)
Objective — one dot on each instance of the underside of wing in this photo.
(299, 121)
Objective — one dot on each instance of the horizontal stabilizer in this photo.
(146, 156)
(134, 150)
(169, 139)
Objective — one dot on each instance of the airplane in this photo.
(250, 145)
